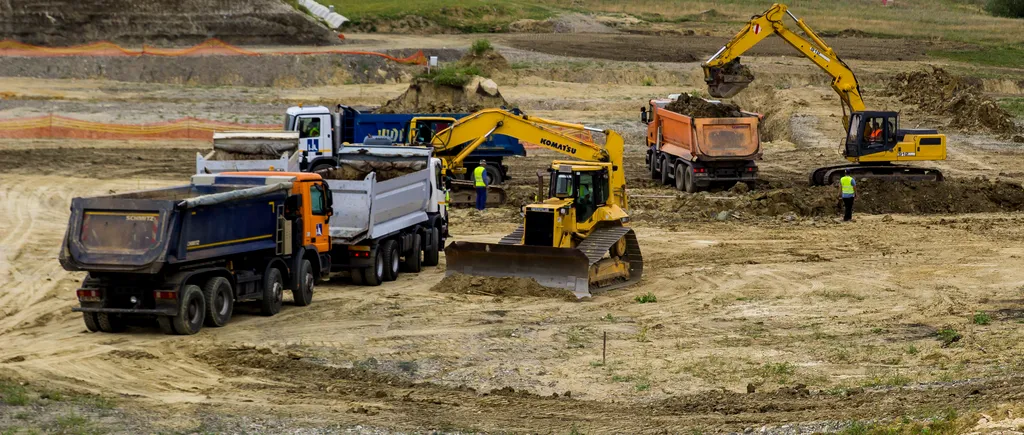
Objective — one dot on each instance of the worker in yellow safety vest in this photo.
(847, 183)
(480, 182)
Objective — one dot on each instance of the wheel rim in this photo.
(193, 311)
(278, 294)
(309, 283)
(380, 267)
(394, 262)
(222, 303)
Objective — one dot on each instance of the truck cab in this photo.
(318, 137)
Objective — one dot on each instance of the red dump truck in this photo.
(693, 153)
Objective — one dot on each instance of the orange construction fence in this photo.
(210, 47)
(62, 127)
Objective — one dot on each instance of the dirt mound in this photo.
(941, 93)
(66, 22)
(359, 170)
(506, 286)
(699, 108)
(489, 62)
(425, 96)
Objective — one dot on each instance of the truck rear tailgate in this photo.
(727, 138)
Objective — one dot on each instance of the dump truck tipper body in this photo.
(186, 254)
(389, 211)
(692, 153)
(235, 151)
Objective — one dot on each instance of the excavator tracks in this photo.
(830, 175)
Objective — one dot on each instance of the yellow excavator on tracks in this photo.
(579, 237)
(874, 142)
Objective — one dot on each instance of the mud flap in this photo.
(563, 268)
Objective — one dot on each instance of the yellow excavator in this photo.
(874, 141)
(578, 238)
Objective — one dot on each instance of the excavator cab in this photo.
(870, 133)
(728, 80)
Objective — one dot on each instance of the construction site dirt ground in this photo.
(775, 317)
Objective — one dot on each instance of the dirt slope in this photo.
(64, 22)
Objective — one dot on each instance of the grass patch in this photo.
(13, 394)
(641, 335)
(981, 318)
(948, 335)
(1007, 57)
(467, 16)
(452, 75)
(609, 318)
(648, 298)
(1014, 105)
(892, 380)
(481, 46)
(577, 337)
(74, 424)
(779, 372)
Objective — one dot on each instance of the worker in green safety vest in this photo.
(480, 182)
(847, 183)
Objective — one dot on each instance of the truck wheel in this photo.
(220, 302)
(191, 312)
(666, 169)
(680, 177)
(414, 258)
(688, 183)
(273, 292)
(432, 252)
(91, 323)
(652, 164)
(303, 295)
(494, 174)
(321, 167)
(374, 275)
(109, 322)
(391, 260)
(166, 324)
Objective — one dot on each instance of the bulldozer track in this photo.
(597, 244)
(514, 237)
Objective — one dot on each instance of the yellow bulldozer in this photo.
(578, 238)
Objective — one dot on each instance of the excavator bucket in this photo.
(563, 268)
(728, 80)
(463, 194)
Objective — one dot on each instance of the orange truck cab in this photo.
(693, 153)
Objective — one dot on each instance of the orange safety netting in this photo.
(210, 47)
(61, 127)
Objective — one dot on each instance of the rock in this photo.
(489, 87)
(740, 188)
(722, 215)
(751, 389)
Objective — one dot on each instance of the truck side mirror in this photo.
(293, 207)
(643, 115)
(329, 196)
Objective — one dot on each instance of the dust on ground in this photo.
(942, 93)
(498, 286)
(697, 107)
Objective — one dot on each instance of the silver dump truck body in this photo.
(239, 151)
(402, 190)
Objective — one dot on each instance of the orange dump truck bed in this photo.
(692, 153)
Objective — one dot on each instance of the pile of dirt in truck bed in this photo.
(941, 93)
(873, 196)
(505, 286)
(425, 96)
(220, 156)
(697, 107)
(358, 170)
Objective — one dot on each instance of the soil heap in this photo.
(489, 62)
(697, 107)
(505, 286)
(941, 93)
(358, 170)
(426, 96)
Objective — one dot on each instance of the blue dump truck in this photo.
(185, 255)
(321, 132)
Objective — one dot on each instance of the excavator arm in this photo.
(725, 77)
(477, 127)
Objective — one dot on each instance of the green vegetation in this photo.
(13, 394)
(1005, 8)
(779, 372)
(1014, 105)
(467, 16)
(646, 298)
(981, 318)
(1007, 57)
(948, 335)
(452, 75)
(948, 423)
(892, 380)
(295, 4)
(481, 46)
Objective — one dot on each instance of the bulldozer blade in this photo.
(563, 268)
(728, 89)
(463, 194)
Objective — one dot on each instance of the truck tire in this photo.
(652, 164)
(91, 323)
(680, 177)
(413, 262)
(432, 252)
(688, 183)
(303, 294)
(273, 292)
(374, 275)
(391, 260)
(494, 174)
(220, 301)
(191, 312)
(666, 169)
(321, 167)
(109, 322)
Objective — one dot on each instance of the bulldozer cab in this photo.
(587, 187)
(871, 132)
